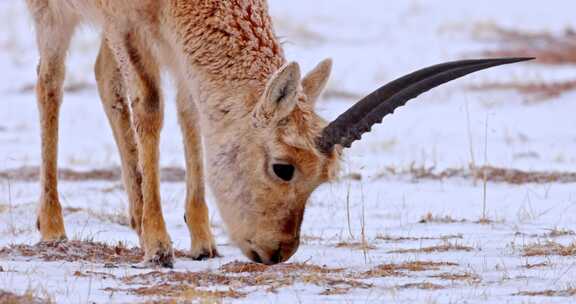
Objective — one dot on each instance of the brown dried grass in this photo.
(31, 174)
(446, 247)
(569, 292)
(181, 292)
(74, 251)
(430, 218)
(7, 297)
(493, 174)
(559, 232)
(399, 239)
(175, 174)
(549, 248)
(239, 275)
(421, 285)
(355, 245)
(465, 277)
(387, 270)
(245, 267)
(532, 92)
(537, 265)
(548, 48)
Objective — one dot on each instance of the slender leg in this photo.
(196, 217)
(115, 101)
(53, 38)
(141, 76)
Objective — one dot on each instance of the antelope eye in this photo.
(284, 171)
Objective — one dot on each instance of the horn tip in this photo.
(506, 60)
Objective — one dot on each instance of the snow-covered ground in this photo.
(381, 236)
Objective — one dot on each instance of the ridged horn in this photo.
(360, 118)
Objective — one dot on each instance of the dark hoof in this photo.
(206, 254)
(56, 241)
(162, 258)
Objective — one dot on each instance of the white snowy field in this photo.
(397, 227)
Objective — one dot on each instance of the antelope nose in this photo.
(278, 255)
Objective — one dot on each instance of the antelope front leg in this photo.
(196, 217)
(142, 78)
(53, 40)
(148, 122)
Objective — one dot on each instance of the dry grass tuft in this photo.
(519, 177)
(239, 276)
(399, 239)
(387, 270)
(569, 292)
(175, 174)
(548, 48)
(245, 267)
(73, 251)
(333, 291)
(30, 174)
(118, 217)
(28, 298)
(493, 174)
(355, 245)
(335, 93)
(422, 285)
(446, 247)
(549, 248)
(559, 232)
(429, 218)
(532, 92)
(182, 292)
(99, 275)
(310, 238)
(538, 265)
(465, 277)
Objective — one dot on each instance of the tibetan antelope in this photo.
(239, 101)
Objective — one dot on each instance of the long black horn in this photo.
(369, 111)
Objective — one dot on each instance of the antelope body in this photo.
(266, 149)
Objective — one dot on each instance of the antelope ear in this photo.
(315, 82)
(280, 96)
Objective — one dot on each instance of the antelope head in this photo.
(282, 151)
